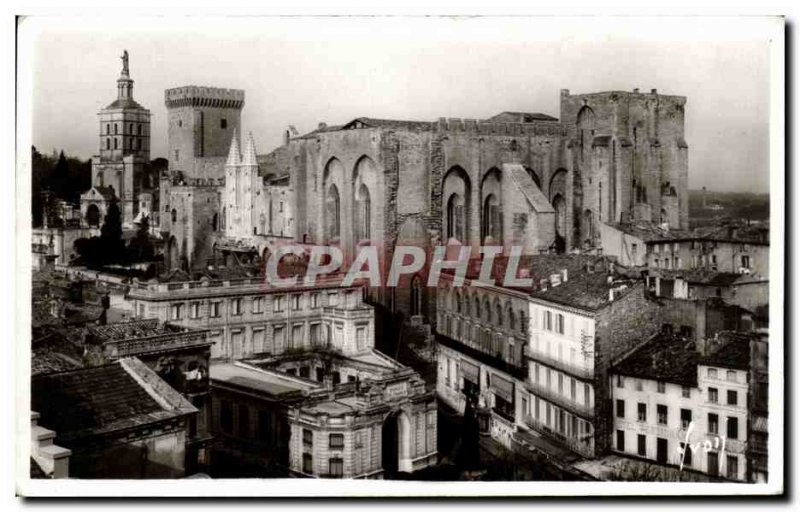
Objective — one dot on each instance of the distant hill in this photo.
(727, 205)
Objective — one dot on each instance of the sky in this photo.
(303, 71)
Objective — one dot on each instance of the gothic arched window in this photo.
(363, 213)
(455, 217)
(491, 218)
(332, 212)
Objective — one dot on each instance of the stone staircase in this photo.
(52, 459)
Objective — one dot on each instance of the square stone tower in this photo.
(202, 122)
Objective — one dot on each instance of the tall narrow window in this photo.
(363, 213)
(455, 218)
(333, 211)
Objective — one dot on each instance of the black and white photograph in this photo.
(399, 256)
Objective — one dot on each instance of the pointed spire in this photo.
(234, 157)
(249, 156)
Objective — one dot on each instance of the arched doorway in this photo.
(93, 215)
(396, 444)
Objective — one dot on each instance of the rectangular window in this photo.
(620, 408)
(732, 469)
(214, 309)
(638, 384)
(308, 464)
(733, 428)
(296, 302)
(336, 467)
(194, 310)
(686, 418)
(713, 423)
(223, 123)
(712, 373)
(713, 463)
(730, 376)
(236, 306)
(315, 300)
(308, 437)
(573, 392)
(333, 299)
(641, 412)
(732, 397)
(336, 441)
(257, 304)
(620, 381)
(662, 414)
(177, 311)
(277, 303)
(361, 338)
(686, 391)
(621, 440)
(560, 324)
(687, 454)
(713, 395)
(661, 387)
(642, 445)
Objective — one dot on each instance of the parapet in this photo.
(458, 125)
(195, 96)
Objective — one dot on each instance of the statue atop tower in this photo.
(124, 58)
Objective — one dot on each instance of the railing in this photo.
(261, 282)
(122, 348)
(584, 447)
(584, 410)
(570, 368)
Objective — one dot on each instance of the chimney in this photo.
(610, 295)
(563, 275)
(636, 91)
(555, 280)
(286, 138)
(653, 91)
(543, 284)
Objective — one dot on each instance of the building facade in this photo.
(247, 316)
(686, 405)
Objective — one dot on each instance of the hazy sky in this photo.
(303, 71)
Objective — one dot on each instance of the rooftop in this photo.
(666, 358)
(732, 350)
(102, 399)
(252, 378)
(133, 329)
(126, 103)
(704, 277)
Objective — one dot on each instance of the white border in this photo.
(305, 488)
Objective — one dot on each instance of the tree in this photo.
(111, 235)
(141, 247)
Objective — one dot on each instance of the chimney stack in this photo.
(564, 275)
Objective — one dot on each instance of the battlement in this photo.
(196, 96)
(614, 95)
(477, 126)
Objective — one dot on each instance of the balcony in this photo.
(584, 410)
(575, 370)
(584, 446)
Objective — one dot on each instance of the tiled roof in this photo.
(51, 362)
(702, 276)
(666, 358)
(132, 329)
(97, 400)
(734, 351)
(124, 103)
(371, 122)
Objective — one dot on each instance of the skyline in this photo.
(303, 71)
